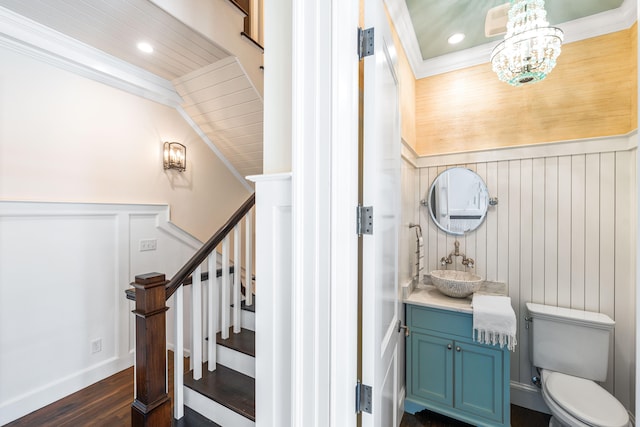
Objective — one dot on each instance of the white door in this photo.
(381, 189)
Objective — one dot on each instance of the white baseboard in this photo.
(22, 405)
(172, 347)
(401, 396)
(528, 397)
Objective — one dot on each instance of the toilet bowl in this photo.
(578, 402)
(571, 349)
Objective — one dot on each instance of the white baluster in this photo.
(214, 310)
(196, 323)
(237, 272)
(248, 259)
(178, 354)
(224, 300)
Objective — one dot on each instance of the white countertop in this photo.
(428, 296)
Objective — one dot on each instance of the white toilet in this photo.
(571, 347)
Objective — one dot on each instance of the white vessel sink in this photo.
(457, 284)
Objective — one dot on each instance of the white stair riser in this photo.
(248, 320)
(214, 411)
(237, 361)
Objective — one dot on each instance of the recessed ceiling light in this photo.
(456, 38)
(145, 47)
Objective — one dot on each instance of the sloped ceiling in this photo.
(216, 92)
(222, 101)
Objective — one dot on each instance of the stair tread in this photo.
(193, 419)
(244, 342)
(229, 388)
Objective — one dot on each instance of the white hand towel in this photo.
(494, 321)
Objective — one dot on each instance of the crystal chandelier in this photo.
(530, 48)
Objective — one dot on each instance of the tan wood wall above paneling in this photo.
(592, 92)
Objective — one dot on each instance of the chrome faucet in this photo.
(467, 262)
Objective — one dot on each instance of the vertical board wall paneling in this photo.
(607, 243)
(513, 257)
(502, 236)
(564, 231)
(538, 229)
(561, 234)
(492, 223)
(577, 230)
(607, 232)
(480, 254)
(592, 233)
(624, 291)
(526, 257)
(551, 232)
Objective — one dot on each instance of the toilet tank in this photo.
(573, 342)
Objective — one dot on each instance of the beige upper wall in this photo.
(590, 93)
(65, 138)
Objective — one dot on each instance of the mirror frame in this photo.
(429, 203)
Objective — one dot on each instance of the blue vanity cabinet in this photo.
(447, 372)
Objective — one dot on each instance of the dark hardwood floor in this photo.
(108, 403)
(520, 417)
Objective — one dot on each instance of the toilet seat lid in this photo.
(586, 400)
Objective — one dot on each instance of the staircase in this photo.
(227, 395)
(220, 384)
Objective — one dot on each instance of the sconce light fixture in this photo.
(175, 156)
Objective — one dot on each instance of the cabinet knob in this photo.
(458, 348)
(449, 346)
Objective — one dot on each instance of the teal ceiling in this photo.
(435, 20)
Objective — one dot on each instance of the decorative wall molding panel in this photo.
(65, 267)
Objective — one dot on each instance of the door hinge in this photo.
(364, 398)
(365, 42)
(364, 218)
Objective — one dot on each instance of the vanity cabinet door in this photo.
(432, 368)
(447, 372)
(479, 383)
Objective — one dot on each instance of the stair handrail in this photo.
(151, 406)
(211, 244)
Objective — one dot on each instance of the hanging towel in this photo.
(494, 321)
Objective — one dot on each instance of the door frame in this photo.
(324, 165)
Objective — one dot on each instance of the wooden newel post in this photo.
(152, 406)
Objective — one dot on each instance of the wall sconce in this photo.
(175, 156)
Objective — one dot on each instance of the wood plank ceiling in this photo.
(217, 93)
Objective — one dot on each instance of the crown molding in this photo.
(591, 26)
(42, 43)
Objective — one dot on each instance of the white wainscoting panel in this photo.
(64, 268)
(274, 344)
(563, 233)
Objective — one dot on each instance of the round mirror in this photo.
(458, 201)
